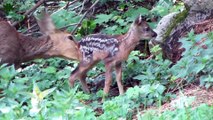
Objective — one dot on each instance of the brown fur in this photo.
(138, 30)
(16, 48)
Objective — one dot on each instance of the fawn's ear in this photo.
(138, 20)
(46, 25)
(1, 19)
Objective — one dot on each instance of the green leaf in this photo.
(156, 48)
(121, 22)
(191, 35)
(140, 77)
(49, 70)
(101, 18)
(132, 13)
(111, 30)
(206, 80)
(199, 37)
(160, 88)
(8, 72)
(198, 67)
(21, 80)
(46, 92)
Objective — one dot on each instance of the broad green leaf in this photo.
(101, 18)
(198, 67)
(133, 13)
(121, 22)
(140, 77)
(111, 30)
(49, 70)
(160, 88)
(8, 73)
(21, 80)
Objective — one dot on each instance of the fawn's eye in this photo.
(146, 28)
(70, 37)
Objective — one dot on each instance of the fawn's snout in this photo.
(154, 34)
(147, 33)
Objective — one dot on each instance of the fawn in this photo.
(112, 50)
(17, 48)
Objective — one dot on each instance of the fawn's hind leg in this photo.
(118, 70)
(108, 78)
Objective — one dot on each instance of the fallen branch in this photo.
(150, 57)
(79, 23)
(94, 77)
(28, 12)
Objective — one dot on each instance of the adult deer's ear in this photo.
(46, 25)
(138, 20)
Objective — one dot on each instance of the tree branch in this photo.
(29, 11)
(70, 3)
(79, 23)
(82, 7)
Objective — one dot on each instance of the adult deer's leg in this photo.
(118, 69)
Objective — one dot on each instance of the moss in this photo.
(178, 18)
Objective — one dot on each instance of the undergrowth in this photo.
(41, 90)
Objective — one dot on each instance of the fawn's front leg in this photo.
(82, 79)
(80, 73)
(118, 69)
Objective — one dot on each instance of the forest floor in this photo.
(199, 94)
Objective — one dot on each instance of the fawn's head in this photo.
(142, 29)
(63, 44)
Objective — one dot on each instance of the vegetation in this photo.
(41, 90)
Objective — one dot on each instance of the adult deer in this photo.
(112, 50)
(17, 48)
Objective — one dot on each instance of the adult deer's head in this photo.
(63, 44)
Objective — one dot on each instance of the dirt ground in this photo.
(198, 95)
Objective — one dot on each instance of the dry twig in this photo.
(30, 28)
(82, 7)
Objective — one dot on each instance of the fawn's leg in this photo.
(82, 78)
(118, 70)
(80, 72)
(74, 76)
(108, 78)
